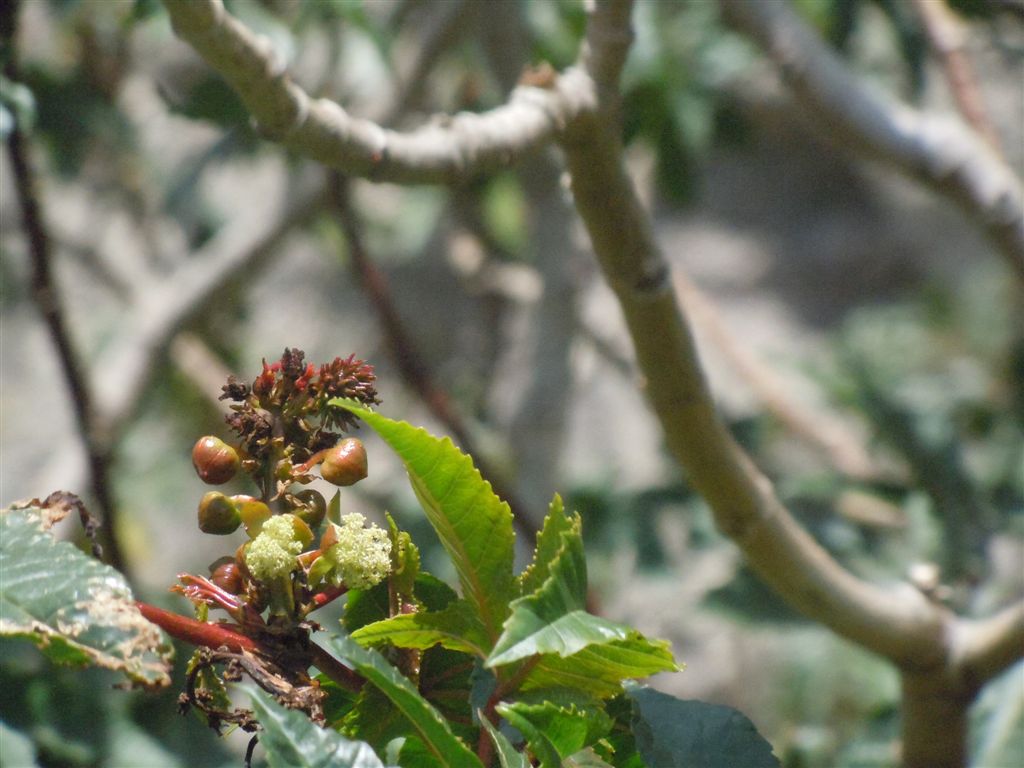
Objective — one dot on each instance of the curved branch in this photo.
(899, 624)
(989, 646)
(937, 150)
(449, 150)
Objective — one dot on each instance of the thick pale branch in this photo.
(899, 624)
(448, 150)
(938, 150)
(609, 37)
(989, 646)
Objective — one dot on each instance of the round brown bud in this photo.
(227, 574)
(215, 461)
(218, 514)
(345, 464)
(311, 509)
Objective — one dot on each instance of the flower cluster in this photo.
(298, 393)
(361, 556)
(283, 422)
(271, 555)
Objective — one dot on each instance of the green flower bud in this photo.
(215, 461)
(254, 514)
(346, 463)
(218, 514)
(361, 556)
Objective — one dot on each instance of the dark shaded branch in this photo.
(933, 722)
(825, 431)
(410, 364)
(937, 150)
(946, 38)
(210, 635)
(448, 150)
(335, 670)
(47, 299)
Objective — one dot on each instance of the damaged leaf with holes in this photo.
(75, 609)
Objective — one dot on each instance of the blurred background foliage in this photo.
(882, 311)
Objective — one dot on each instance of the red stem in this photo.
(320, 599)
(196, 632)
(335, 670)
(216, 635)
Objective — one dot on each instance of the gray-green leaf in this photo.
(76, 609)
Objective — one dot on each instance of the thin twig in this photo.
(846, 453)
(410, 364)
(938, 150)
(125, 369)
(47, 299)
(946, 38)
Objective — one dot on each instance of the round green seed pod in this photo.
(218, 514)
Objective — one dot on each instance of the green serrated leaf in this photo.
(415, 755)
(600, 669)
(433, 593)
(365, 606)
(445, 680)
(473, 524)
(339, 701)
(671, 731)
(540, 744)
(554, 619)
(430, 726)
(507, 754)
(405, 560)
(549, 542)
(292, 740)
(75, 608)
(373, 720)
(567, 726)
(456, 628)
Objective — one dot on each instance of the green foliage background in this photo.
(915, 337)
